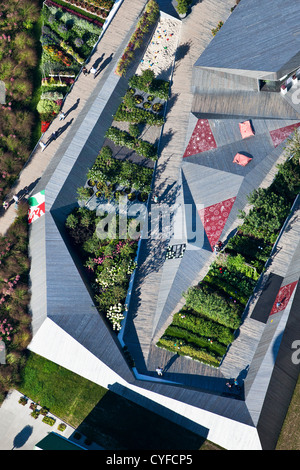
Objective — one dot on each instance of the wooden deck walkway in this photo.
(108, 50)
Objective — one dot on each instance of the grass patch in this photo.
(66, 394)
(100, 414)
(289, 438)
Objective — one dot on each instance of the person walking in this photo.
(85, 71)
(93, 71)
(62, 116)
(159, 371)
(42, 145)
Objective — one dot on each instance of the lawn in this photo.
(67, 395)
(101, 415)
(289, 438)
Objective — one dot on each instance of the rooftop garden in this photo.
(110, 259)
(213, 309)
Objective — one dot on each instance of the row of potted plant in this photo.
(99, 8)
(37, 411)
(74, 10)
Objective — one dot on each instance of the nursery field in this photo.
(15, 320)
(213, 309)
(19, 70)
(67, 40)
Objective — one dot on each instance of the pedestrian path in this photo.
(105, 55)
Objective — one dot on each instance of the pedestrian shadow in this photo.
(75, 106)
(170, 362)
(104, 64)
(22, 437)
(62, 129)
(98, 61)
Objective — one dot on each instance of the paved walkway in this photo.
(108, 49)
(19, 430)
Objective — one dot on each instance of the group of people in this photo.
(92, 70)
(233, 384)
(218, 246)
(16, 199)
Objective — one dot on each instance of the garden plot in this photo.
(160, 53)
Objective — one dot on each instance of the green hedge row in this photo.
(181, 334)
(138, 116)
(214, 306)
(194, 323)
(198, 354)
(124, 139)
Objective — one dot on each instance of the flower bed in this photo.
(74, 11)
(15, 320)
(109, 261)
(148, 18)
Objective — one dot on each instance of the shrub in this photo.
(35, 414)
(213, 305)
(182, 6)
(23, 401)
(155, 87)
(199, 354)
(123, 138)
(134, 130)
(47, 107)
(49, 420)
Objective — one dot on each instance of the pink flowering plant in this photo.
(109, 263)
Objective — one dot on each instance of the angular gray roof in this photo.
(260, 36)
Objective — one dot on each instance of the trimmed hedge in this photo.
(137, 116)
(194, 323)
(201, 355)
(213, 305)
(181, 334)
(124, 139)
